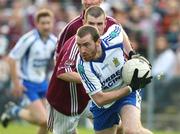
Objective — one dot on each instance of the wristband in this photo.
(130, 89)
(131, 53)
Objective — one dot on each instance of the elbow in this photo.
(99, 99)
(100, 102)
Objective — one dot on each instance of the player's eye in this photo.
(99, 24)
(91, 23)
(79, 45)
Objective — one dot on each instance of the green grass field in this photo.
(30, 129)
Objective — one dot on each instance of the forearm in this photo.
(70, 77)
(104, 98)
(13, 71)
(127, 44)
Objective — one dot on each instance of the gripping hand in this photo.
(139, 82)
(133, 55)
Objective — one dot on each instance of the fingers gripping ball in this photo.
(130, 66)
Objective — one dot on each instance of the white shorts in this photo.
(59, 123)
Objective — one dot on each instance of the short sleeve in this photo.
(21, 47)
(90, 82)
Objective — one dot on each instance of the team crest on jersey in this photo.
(69, 62)
(116, 62)
(113, 34)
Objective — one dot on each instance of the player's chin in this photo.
(86, 58)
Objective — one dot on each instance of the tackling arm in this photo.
(70, 77)
(127, 45)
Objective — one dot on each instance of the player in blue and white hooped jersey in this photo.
(99, 65)
(34, 51)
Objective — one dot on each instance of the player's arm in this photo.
(70, 77)
(14, 56)
(103, 98)
(126, 42)
(129, 50)
(66, 68)
(136, 83)
(13, 71)
(94, 88)
(17, 89)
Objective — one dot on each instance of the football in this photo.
(131, 65)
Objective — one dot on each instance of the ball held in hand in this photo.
(130, 66)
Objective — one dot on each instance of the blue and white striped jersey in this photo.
(104, 74)
(34, 55)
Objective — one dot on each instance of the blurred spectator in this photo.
(178, 64)
(171, 14)
(172, 34)
(163, 69)
(164, 54)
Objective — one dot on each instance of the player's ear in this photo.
(98, 42)
(105, 22)
(84, 21)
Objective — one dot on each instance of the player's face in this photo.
(99, 22)
(88, 3)
(87, 47)
(45, 25)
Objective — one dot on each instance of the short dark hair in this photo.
(87, 29)
(43, 13)
(94, 11)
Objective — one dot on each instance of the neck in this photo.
(43, 37)
(99, 52)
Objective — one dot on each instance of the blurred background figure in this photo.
(33, 53)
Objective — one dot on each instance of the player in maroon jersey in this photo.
(66, 95)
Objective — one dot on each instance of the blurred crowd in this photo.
(139, 18)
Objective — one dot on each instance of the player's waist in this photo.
(33, 77)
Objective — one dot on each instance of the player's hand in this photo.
(133, 55)
(18, 90)
(139, 82)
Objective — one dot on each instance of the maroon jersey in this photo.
(71, 29)
(68, 98)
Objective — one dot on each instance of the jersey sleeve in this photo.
(21, 47)
(90, 82)
(68, 61)
(113, 37)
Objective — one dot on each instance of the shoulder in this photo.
(28, 38)
(53, 38)
(111, 20)
(113, 37)
(30, 34)
(82, 65)
(112, 32)
(69, 45)
(70, 42)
